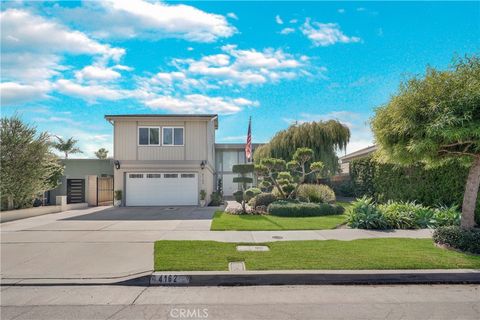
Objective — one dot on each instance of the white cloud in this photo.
(341, 10)
(25, 32)
(14, 93)
(278, 19)
(197, 103)
(233, 138)
(148, 19)
(287, 30)
(232, 15)
(90, 93)
(233, 67)
(97, 72)
(293, 21)
(325, 34)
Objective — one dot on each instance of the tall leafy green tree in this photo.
(435, 119)
(324, 138)
(27, 167)
(102, 153)
(67, 146)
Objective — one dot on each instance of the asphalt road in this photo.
(279, 302)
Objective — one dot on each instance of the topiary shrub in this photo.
(283, 208)
(363, 214)
(458, 238)
(250, 193)
(262, 199)
(317, 193)
(216, 199)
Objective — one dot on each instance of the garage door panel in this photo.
(161, 189)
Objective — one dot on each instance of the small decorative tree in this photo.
(243, 170)
(67, 146)
(102, 153)
(287, 177)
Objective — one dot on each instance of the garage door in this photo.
(161, 189)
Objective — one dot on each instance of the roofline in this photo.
(111, 117)
(358, 153)
(235, 145)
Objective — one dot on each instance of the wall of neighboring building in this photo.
(81, 169)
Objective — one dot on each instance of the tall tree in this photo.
(435, 119)
(324, 138)
(27, 167)
(102, 153)
(66, 146)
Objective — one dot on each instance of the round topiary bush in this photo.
(462, 239)
(317, 193)
(251, 193)
(262, 199)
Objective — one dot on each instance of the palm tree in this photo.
(102, 153)
(66, 146)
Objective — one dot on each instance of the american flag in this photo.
(248, 146)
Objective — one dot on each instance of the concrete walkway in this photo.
(91, 244)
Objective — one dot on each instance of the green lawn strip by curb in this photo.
(364, 254)
(223, 221)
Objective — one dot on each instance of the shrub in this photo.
(458, 238)
(301, 209)
(215, 199)
(447, 216)
(407, 215)
(251, 192)
(262, 199)
(118, 194)
(317, 193)
(363, 214)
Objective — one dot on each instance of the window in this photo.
(187, 175)
(148, 136)
(153, 175)
(135, 175)
(172, 136)
(170, 175)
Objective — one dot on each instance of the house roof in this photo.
(110, 117)
(359, 153)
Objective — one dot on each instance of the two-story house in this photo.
(163, 159)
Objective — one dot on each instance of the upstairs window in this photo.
(148, 136)
(172, 136)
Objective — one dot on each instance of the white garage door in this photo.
(161, 189)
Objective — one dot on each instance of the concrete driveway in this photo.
(93, 243)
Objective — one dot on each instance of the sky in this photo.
(65, 64)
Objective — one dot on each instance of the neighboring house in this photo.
(362, 153)
(226, 156)
(85, 180)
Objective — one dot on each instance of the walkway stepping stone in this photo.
(253, 248)
(236, 266)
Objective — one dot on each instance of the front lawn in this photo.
(223, 221)
(383, 253)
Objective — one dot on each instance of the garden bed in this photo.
(364, 254)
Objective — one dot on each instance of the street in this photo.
(268, 302)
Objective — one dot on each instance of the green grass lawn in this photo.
(224, 221)
(384, 253)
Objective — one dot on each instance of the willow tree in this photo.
(433, 120)
(323, 137)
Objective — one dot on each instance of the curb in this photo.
(315, 277)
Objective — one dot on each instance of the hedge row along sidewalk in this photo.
(364, 254)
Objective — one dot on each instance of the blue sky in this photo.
(67, 64)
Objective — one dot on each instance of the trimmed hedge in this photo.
(262, 199)
(458, 238)
(284, 208)
(444, 185)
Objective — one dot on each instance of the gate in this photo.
(75, 190)
(104, 191)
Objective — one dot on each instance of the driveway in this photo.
(93, 243)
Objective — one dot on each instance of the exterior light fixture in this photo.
(202, 165)
(117, 164)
